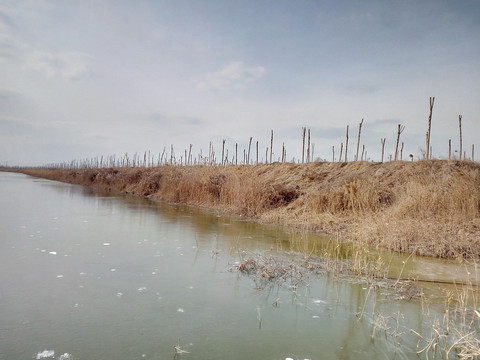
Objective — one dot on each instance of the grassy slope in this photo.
(427, 207)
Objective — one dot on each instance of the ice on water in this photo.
(45, 354)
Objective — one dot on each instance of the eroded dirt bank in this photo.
(428, 207)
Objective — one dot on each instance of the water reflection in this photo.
(98, 275)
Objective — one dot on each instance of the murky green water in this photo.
(88, 275)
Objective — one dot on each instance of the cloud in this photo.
(235, 75)
(28, 55)
(67, 65)
(7, 94)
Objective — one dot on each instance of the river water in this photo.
(92, 275)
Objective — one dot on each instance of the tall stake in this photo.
(257, 152)
(449, 149)
(460, 126)
(303, 147)
(333, 153)
(271, 147)
(223, 152)
(308, 147)
(429, 155)
(341, 152)
(346, 146)
(236, 153)
(249, 146)
(383, 146)
(358, 140)
(400, 130)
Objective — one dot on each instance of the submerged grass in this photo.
(429, 207)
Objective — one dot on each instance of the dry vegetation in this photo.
(429, 207)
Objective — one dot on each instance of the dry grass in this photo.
(428, 207)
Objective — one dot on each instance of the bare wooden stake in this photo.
(236, 153)
(363, 151)
(400, 130)
(473, 152)
(341, 152)
(271, 147)
(449, 149)
(333, 153)
(383, 146)
(346, 146)
(223, 152)
(460, 127)
(303, 146)
(266, 154)
(432, 100)
(257, 152)
(308, 147)
(358, 140)
(401, 152)
(249, 146)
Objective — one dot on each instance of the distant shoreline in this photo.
(429, 207)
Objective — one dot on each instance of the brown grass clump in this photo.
(429, 207)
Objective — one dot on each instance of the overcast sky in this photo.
(86, 78)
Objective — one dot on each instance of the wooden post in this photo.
(249, 146)
(303, 146)
(432, 100)
(257, 152)
(341, 152)
(308, 147)
(401, 152)
(449, 149)
(460, 127)
(333, 153)
(266, 154)
(473, 152)
(363, 151)
(223, 152)
(271, 147)
(358, 140)
(400, 130)
(346, 146)
(383, 146)
(236, 153)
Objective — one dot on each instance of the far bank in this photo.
(429, 208)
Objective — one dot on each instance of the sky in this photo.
(80, 79)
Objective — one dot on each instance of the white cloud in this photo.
(68, 65)
(235, 75)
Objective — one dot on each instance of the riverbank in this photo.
(429, 208)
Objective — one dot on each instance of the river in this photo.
(86, 274)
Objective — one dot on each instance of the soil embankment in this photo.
(429, 208)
